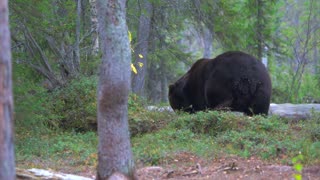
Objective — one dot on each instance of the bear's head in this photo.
(177, 98)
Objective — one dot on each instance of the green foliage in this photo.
(297, 166)
(312, 127)
(148, 121)
(74, 105)
(266, 137)
(205, 134)
(237, 132)
(68, 148)
(143, 121)
(42, 117)
(44, 16)
(211, 122)
(90, 65)
(309, 89)
(30, 101)
(238, 25)
(151, 149)
(282, 77)
(280, 84)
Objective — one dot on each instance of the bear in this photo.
(233, 80)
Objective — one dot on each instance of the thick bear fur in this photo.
(233, 80)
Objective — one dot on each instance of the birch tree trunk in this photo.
(7, 163)
(114, 149)
(138, 82)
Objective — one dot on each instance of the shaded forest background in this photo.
(56, 57)
(56, 51)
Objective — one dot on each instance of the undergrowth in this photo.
(206, 134)
(58, 127)
(211, 133)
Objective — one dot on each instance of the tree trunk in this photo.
(164, 84)
(316, 45)
(259, 29)
(315, 53)
(77, 43)
(153, 86)
(114, 149)
(94, 25)
(138, 82)
(7, 162)
(153, 76)
(207, 41)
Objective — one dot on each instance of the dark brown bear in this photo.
(233, 80)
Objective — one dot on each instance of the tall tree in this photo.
(259, 28)
(305, 29)
(114, 149)
(7, 164)
(94, 22)
(204, 18)
(207, 42)
(77, 40)
(141, 49)
(164, 51)
(52, 51)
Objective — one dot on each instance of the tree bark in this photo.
(77, 42)
(114, 149)
(207, 41)
(94, 25)
(138, 82)
(7, 162)
(260, 29)
(315, 56)
(152, 84)
(164, 86)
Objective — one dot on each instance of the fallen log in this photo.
(289, 111)
(294, 111)
(36, 174)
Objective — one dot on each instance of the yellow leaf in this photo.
(130, 37)
(133, 69)
(140, 56)
(140, 64)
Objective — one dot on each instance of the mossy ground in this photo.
(161, 136)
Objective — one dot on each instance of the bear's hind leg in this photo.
(260, 104)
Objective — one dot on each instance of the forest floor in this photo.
(206, 145)
(189, 166)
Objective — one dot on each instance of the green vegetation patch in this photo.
(152, 149)
(55, 149)
(206, 134)
(210, 133)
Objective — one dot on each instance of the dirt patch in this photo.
(188, 166)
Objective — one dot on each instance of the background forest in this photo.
(56, 56)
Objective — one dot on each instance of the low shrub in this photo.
(211, 122)
(75, 105)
